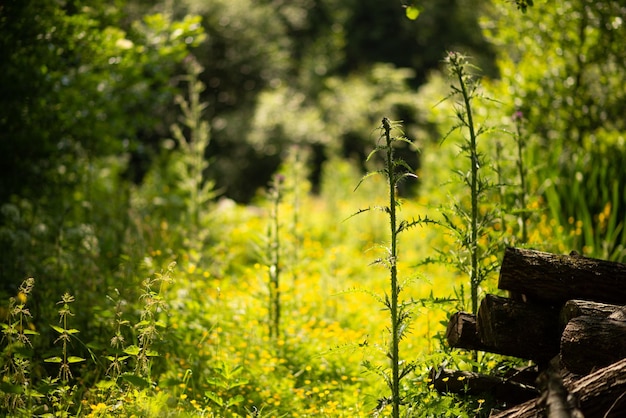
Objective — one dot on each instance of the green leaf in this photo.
(412, 12)
(7, 387)
(132, 350)
(53, 360)
(74, 359)
(58, 329)
(135, 380)
(114, 358)
(235, 400)
(213, 381)
(215, 398)
(105, 384)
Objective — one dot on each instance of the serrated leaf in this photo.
(132, 350)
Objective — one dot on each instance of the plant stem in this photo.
(395, 338)
(474, 275)
(522, 175)
(274, 261)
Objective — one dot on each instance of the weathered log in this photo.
(603, 393)
(558, 402)
(557, 278)
(600, 394)
(518, 329)
(461, 332)
(577, 307)
(475, 384)
(590, 342)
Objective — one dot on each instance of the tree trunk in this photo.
(557, 278)
(518, 329)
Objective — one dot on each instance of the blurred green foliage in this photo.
(99, 189)
(568, 85)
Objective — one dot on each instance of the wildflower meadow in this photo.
(288, 235)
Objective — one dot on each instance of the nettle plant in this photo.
(400, 314)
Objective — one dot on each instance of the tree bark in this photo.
(600, 394)
(603, 393)
(462, 333)
(518, 329)
(557, 278)
(590, 342)
(575, 308)
(475, 384)
(528, 409)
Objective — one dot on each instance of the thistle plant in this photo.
(470, 223)
(394, 171)
(273, 256)
(192, 147)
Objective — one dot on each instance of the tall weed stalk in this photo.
(470, 223)
(273, 254)
(193, 136)
(395, 171)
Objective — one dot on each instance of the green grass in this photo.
(206, 308)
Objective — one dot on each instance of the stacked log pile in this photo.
(564, 313)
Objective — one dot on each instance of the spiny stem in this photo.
(474, 279)
(395, 338)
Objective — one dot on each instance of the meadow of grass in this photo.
(279, 308)
(196, 341)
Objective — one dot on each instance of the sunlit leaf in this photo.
(58, 329)
(132, 350)
(412, 12)
(215, 398)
